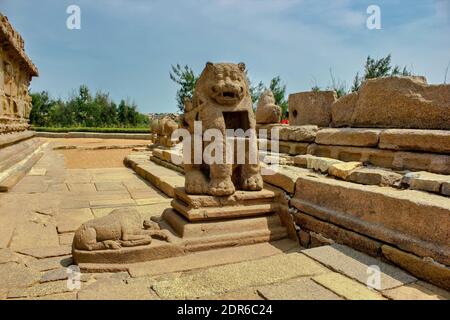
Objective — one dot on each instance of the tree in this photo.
(186, 78)
(256, 90)
(378, 68)
(82, 109)
(42, 104)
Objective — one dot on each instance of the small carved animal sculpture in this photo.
(121, 228)
(266, 110)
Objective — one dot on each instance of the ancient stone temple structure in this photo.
(16, 72)
(220, 204)
(17, 145)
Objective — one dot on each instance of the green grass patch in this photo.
(90, 129)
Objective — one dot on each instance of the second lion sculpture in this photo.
(222, 101)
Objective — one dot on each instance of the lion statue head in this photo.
(223, 83)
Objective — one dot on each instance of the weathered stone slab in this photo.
(290, 147)
(58, 187)
(217, 213)
(37, 172)
(7, 255)
(39, 290)
(297, 289)
(355, 265)
(30, 235)
(321, 164)
(117, 289)
(211, 258)
(109, 186)
(425, 269)
(30, 188)
(373, 176)
(446, 188)
(348, 137)
(416, 140)
(422, 162)
(417, 291)
(164, 179)
(125, 202)
(318, 240)
(315, 163)
(347, 288)
(13, 138)
(414, 221)
(311, 108)
(396, 102)
(398, 160)
(297, 133)
(47, 252)
(69, 220)
(204, 235)
(344, 169)
(284, 177)
(51, 263)
(338, 234)
(238, 198)
(232, 277)
(55, 275)
(66, 239)
(153, 210)
(425, 181)
(14, 275)
(81, 187)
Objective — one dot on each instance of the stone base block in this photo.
(204, 235)
(157, 250)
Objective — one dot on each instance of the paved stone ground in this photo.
(38, 218)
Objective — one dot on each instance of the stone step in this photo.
(164, 179)
(12, 138)
(414, 221)
(223, 212)
(20, 164)
(13, 154)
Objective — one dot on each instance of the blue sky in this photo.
(126, 47)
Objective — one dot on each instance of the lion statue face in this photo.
(224, 83)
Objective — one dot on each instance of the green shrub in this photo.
(91, 129)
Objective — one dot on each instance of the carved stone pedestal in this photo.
(204, 222)
(197, 223)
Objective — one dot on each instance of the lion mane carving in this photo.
(221, 101)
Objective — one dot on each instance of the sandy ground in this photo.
(90, 159)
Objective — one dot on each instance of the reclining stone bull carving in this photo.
(121, 228)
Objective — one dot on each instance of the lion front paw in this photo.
(221, 187)
(113, 245)
(253, 183)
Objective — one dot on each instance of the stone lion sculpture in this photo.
(121, 228)
(163, 129)
(221, 101)
(266, 110)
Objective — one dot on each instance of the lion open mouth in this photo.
(229, 94)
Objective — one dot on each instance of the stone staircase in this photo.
(18, 153)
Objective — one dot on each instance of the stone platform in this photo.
(198, 223)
